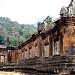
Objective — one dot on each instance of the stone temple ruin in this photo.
(52, 49)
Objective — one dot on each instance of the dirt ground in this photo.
(9, 73)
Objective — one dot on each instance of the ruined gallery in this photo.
(51, 48)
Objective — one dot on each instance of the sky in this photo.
(30, 11)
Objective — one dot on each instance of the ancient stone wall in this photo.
(69, 36)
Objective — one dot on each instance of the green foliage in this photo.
(1, 39)
(14, 41)
(14, 29)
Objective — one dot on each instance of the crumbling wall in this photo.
(68, 37)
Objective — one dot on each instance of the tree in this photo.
(11, 29)
(1, 39)
(14, 42)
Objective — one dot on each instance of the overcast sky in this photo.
(29, 11)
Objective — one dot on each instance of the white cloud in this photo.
(29, 11)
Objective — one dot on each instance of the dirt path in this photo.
(9, 73)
